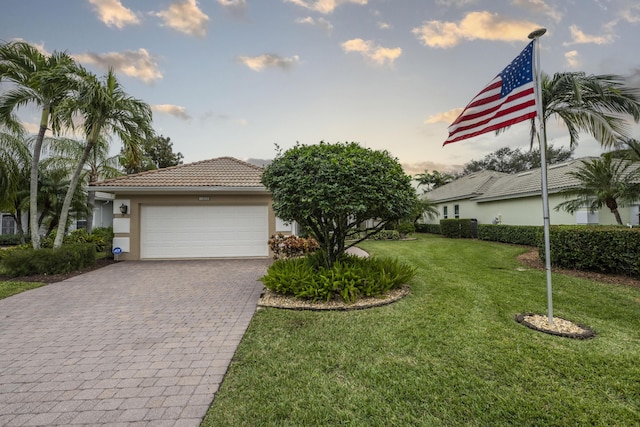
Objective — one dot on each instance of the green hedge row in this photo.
(606, 249)
(26, 261)
(12, 239)
(530, 235)
(428, 228)
(457, 228)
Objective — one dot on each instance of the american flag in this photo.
(508, 99)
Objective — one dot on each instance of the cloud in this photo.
(384, 25)
(540, 6)
(377, 54)
(113, 14)
(268, 60)
(579, 37)
(324, 6)
(457, 3)
(416, 168)
(319, 22)
(172, 110)
(236, 7)
(225, 118)
(475, 25)
(185, 17)
(631, 14)
(138, 64)
(447, 117)
(573, 59)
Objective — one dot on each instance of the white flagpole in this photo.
(542, 141)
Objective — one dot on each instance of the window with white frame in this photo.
(445, 212)
(456, 211)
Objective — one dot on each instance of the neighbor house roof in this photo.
(466, 187)
(222, 173)
(529, 183)
(487, 186)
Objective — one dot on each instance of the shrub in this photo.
(26, 262)
(12, 239)
(529, 235)
(406, 227)
(350, 277)
(386, 235)
(428, 228)
(291, 246)
(603, 249)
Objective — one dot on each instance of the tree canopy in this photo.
(157, 153)
(514, 160)
(334, 189)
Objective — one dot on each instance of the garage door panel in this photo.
(203, 231)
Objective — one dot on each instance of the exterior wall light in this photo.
(123, 209)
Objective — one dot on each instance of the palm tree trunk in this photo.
(617, 215)
(69, 196)
(33, 188)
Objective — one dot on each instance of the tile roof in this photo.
(465, 187)
(486, 186)
(219, 172)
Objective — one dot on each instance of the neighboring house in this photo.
(516, 199)
(214, 208)
(9, 225)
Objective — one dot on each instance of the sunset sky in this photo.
(236, 77)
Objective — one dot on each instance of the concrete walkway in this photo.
(134, 343)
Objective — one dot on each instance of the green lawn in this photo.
(11, 288)
(449, 354)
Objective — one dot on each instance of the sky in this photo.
(241, 78)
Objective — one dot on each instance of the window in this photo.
(445, 212)
(456, 211)
(8, 225)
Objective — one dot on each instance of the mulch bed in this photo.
(53, 278)
(532, 260)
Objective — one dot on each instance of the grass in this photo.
(449, 354)
(8, 289)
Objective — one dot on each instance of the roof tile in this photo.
(218, 172)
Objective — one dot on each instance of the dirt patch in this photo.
(53, 278)
(532, 260)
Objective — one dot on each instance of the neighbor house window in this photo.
(456, 211)
(8, 224)
(445, 212)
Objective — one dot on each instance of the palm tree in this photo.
(433, 180)
(597, 104)
(603, 182)
(15, 161)
(44, 80)
(105, 108)
(99, 165)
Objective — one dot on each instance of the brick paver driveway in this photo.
(132, 343)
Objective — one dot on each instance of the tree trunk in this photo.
(33, 188)
(66, 205)
(18, 218)
(617, 215)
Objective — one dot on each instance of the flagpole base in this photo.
(560, 327)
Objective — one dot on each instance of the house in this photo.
(215, 208)
(516, 199)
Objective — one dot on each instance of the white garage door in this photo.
(203, 231)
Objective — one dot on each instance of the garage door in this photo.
(203, 231)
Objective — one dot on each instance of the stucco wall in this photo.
(527, 211)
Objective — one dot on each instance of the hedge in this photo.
(529, 235)
(606, 249)
(428, 228)
(457, 228)
(27, 262)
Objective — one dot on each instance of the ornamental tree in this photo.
(338, 192)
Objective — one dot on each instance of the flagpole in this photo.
(542, 142)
